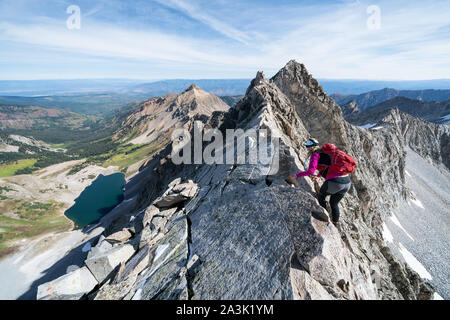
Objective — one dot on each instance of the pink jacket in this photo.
(313, 161)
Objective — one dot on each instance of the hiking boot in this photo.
(320, 215)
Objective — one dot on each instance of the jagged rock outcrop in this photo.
(240, 231)
(350, 109)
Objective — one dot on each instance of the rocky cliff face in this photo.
(429, 140)
(350, 109)
(241, 231)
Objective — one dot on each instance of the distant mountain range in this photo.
(64, 87)
(20, 117)
(220, 87)
(361, 86)
(372, 98)
(437, 112)
(86, 103)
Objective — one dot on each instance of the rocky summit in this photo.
(240, 231)
(157, 116)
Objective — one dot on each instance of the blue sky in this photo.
(163, 39)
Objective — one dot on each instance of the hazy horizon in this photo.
(250, 78)
(147, 87)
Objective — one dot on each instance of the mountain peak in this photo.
(260, 77)
(294, 67)
(294, 64)
(295, 72)
(302, 88)
(193, 87)
(159, 114)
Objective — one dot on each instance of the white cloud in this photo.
(200, 15)
(332, 41)
(338, 44)
(107, 40)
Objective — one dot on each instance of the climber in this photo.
(333, 165)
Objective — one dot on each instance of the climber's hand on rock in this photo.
(291, 179)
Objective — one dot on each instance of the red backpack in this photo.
(341, 163)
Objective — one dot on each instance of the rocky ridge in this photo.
(241, 231)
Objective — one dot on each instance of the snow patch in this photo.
(417, 203)
(436, 296)
(397, 223)
(368, 125)
(446, 118)
(387, 235)
(414, 263)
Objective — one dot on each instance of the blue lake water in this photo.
(98, 199)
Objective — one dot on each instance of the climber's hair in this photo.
(313, 150)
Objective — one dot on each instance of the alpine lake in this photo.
(98, 199)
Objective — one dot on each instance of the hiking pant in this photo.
(336, 188)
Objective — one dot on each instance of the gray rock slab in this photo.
(73, 284)
(103, 264)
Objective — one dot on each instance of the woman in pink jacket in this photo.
(335, 186)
